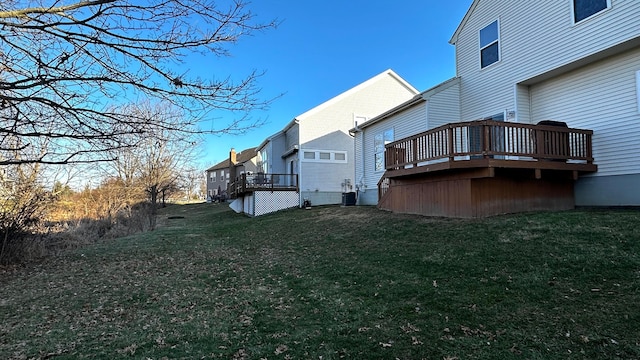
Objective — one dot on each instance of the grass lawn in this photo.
(336, 282)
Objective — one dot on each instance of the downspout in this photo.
(299, 161)
(360, 182)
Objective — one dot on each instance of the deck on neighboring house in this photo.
(260, 194)
(482, 168)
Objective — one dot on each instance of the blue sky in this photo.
(323, 48)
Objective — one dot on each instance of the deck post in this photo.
(450, 142)
(414, 155)
(486, 141)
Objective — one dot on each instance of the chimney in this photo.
(232, 157)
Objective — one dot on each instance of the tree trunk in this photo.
(153, 212)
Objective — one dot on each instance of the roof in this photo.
(454, 37)
(268, 139)
(354, 89)
(241, 158)
(423, 96)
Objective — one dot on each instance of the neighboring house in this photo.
(316, 146)
(518, 63)
(219, 176)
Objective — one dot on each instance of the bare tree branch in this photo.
(66, 68)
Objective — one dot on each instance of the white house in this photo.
(521, 62)
(317, 146)
(576, 61)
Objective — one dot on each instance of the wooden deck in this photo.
(483, 168)
(489, 143)
(247, 183)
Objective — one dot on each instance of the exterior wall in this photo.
(273, 148)
(406, 123)
(617, 190)
(535, 37)
(444, 107)
(278, 147)
(601, 97)
(292, 136)
(220, 181)
(326, 128)
(368, 101)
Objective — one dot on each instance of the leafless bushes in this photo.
(37, 223)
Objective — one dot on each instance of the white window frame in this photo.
(383, 138)
(212, 176)
(497, 41)
(573, 12)
(332, 156)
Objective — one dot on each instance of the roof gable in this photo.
(454, 37)
(354, 90)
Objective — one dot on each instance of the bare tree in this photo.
(65, 63)
(159, 163)
(23, 200)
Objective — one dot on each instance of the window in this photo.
(489, 48)
(212, 176)
(325, 156)
(379, 141)
(264, 165)
(583, 9)
(221, 175)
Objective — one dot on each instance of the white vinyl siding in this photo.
(325, 129)
(602, 97)
(535, 37)
(444, 107)
(406, 123)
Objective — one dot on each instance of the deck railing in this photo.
(270, 182)
(491, 139)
